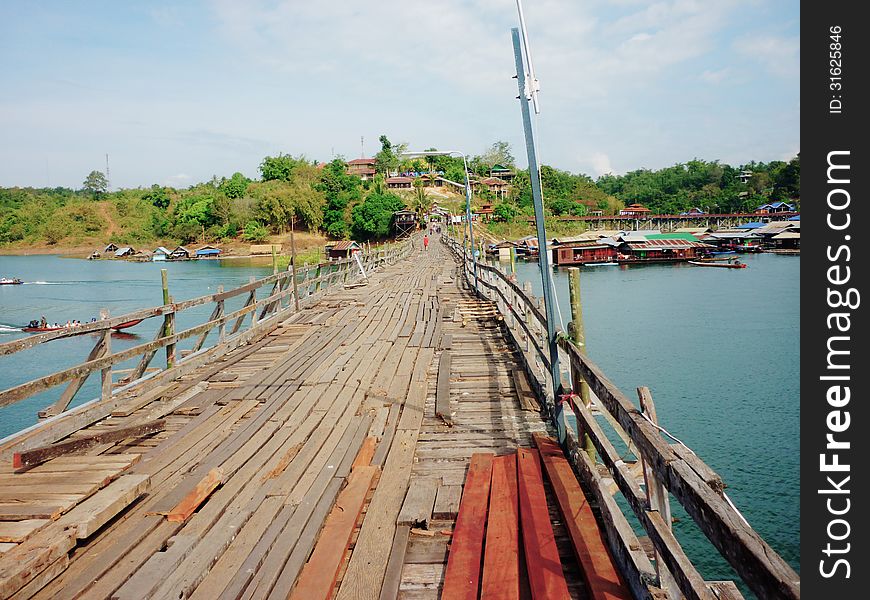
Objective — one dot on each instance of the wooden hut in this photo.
(207, 252)
(342, 249)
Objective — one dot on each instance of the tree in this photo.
(389, 157)
(96, 184)
(254, 232)
(340, 191)
(498, 154)
(422, 202)
(157, 196)
(279, 167)
(373, 217)
(235, 186)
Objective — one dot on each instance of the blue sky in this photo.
(178, 92)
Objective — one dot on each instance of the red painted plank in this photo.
(317, 580)
(546, 578)
(462, 577)
(501, 560)
(602, 578)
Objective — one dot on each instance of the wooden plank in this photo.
(599, 571)
(546, 578)
(110, 501)
(368, 563)
(6, 546)
(501, 560)
(35, 456)
(319, 575)
(417, 508)
(366, 453)
(19, 511)
(197, 496)
(447, 501)
(462, 577)
(442, 390)
(18, 531)
(393, 574)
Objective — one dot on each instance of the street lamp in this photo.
(467, 198)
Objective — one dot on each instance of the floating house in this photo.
(125, 251)
(180, 253)
(258, 249)
(161, 254)
(342, 249)
(582, 253)
(787, 240)
(207, 252)
(666, 248)
(110, 249)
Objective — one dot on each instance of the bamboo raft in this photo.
(391, 440)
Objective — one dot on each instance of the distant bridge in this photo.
(672, 222)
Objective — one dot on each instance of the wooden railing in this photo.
(262, 314)
(665, 468)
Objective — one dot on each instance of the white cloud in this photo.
(601, 164)
(779, 55)
(178, 181)
(715, 77)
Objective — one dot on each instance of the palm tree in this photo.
(422, 202)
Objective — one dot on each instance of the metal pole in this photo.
(470, 224)
(543, 257)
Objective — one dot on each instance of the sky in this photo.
(177, 92)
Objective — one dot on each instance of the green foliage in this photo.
(235, 186)
(373, 217)
(157, 196)
(390, 156)
(422, 204)
(197, 208)
(499, 154)
(279, 167)
(340, 191)
(506, 211)
(95, 184)
(564, 206)
(254, 232)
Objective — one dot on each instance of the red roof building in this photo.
(364, 168)
(635, 210)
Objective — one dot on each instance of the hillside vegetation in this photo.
(293, 191)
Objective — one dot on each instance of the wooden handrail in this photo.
(328, 275)
(692, 483)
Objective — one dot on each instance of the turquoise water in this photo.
(65, 288)
(719, 349)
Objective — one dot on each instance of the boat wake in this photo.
(9, 329)
(44, 283)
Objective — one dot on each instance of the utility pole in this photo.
(526, 93)
(362, 147)
(108, 180)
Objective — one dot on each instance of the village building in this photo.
(207, 252)
(342, 249)
(161, 254)
(364, 168)
(110, 249)
(125, 251)
(634, 210)
(496, 186)
(775, 207)
(398, 183)
(502, 172)
(180, 253)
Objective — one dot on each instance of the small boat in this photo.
(34, 327)
(127, 324)
(725, 265)
(723, 252)
(10, 281)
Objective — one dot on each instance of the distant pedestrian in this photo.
(425, 242)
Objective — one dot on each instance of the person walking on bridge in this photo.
(425, 242)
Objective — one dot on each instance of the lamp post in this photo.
(467, 199)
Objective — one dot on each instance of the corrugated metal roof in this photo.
(666, 244)
(672, 236)
(345, 245)
(787, 235)
(361, 161)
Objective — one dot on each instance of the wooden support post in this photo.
(527, 288)
(578, 336)
(168, 320)
(215, 314)
(293, 262)
(253, 302)
(223, 325)
(657, 494)
(106, 374)
(274, 260)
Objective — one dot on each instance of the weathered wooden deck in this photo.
(279, 423)
(345, 450)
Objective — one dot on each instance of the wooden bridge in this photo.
(391, 437)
